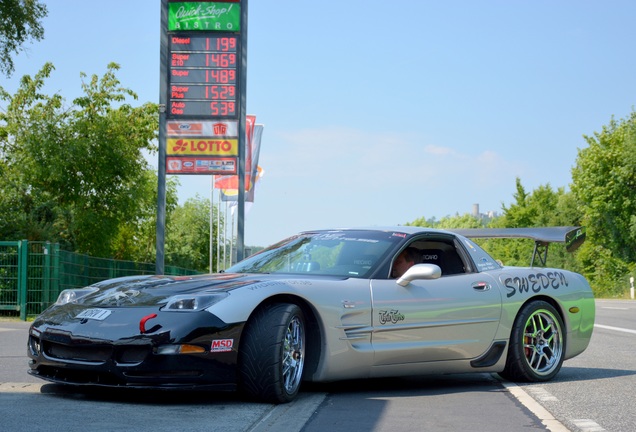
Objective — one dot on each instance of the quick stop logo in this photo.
(202, 146)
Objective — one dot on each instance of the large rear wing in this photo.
(573, 237)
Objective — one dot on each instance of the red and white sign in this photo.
(200, 128)
(222, 345)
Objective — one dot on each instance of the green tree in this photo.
(188, 235)
(543, 207)
(20, 20)
(604, 182)
(76, 175)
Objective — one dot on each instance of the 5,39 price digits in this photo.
(223, 108)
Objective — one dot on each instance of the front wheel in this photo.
(272, 353)
(537, 344)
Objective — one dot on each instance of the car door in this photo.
(453, 317)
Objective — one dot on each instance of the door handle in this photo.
(481, 286)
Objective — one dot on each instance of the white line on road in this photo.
(587, 425)
(13, 387)
(542, 414)
(615, 328)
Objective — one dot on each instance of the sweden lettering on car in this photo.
(534, 282)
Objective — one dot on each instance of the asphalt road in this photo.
(593, 392)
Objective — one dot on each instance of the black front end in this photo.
(139, 347)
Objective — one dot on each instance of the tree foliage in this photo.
(188, 236)
(604, 182)
(20, 20)
(76, 175)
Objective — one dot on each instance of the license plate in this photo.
(95, 314)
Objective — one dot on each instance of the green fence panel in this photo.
(9, 276)
(32, 274)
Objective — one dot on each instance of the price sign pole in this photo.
(202, 98)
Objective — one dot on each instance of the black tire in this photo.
(537, 344)
(272, 354)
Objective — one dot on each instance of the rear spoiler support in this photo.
(573, 237)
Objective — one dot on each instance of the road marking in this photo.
(615, 328)
(587, 425)
(290, 417)
(542, 394)
(542, 414)
(11, 387)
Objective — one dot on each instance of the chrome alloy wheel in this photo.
(293, 354)
(543, 342)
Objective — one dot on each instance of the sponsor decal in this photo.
(391, 316)
(535, 282)
(222, 345)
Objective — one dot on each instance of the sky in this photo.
(378, 113)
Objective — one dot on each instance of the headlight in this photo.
(73, 295)
(192, 302)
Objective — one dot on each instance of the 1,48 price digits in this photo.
(221, 76)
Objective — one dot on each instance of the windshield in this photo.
(339, 253)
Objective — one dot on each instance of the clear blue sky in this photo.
(381, 112)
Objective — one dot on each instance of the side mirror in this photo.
(420, 271)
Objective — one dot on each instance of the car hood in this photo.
(156, 290)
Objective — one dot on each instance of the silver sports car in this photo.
(322, 306)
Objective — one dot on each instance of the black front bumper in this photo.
(115, 353)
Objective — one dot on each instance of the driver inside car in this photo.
(403, 262)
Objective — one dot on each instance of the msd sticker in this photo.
(222, 345)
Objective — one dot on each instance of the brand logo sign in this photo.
(222, 345)
(198, 146)
(207, 16)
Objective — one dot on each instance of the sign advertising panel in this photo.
(204, 92)
(204, 16)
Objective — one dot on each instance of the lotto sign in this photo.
(198, 146)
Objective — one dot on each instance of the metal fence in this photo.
(32, 274)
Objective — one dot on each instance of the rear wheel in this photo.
(272, 353)
(537, 344)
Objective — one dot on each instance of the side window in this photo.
(441, 252)
(480, 257)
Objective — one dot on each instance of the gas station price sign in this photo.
(203, 76)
